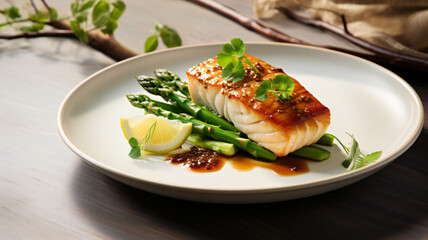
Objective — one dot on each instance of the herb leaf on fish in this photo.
(282, 86)
(231, 59)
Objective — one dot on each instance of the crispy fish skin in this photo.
(281, 127)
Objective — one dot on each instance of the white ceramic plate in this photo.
(379, 108)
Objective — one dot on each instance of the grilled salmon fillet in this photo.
(281, 127)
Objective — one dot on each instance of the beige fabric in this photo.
(398, 25)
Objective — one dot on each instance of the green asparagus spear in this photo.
(173, 81)
(224, 148)
(163, 105)
(227, 149)
(326, 139)
(205, 129)
(154, 86)
(312, 152)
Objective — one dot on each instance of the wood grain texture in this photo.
(47, 192)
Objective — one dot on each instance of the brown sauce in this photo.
(202, 160)
(198, 160)
(284, 166)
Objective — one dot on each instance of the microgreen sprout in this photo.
(136, 149)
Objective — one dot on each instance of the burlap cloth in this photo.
(398, 25)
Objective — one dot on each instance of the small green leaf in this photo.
(135, 148)
(33, 28)
(135, 152)
(230, 52)
(133, 142)
(86, 5)
(74, 8)
(169, 36)
(53, 14)
(118, 8)
(261, 93)
(101, 14)
(81, 16)
(234, 71)
(12, 12)
(372, 157)
(239, 46)
(40, 17)
(110, 27)
(283, 83)
(81, 9)
(354, 152)
(79, 32)
(282, 86)
(279, 82)
(151, 43)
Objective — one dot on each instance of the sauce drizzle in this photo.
(203, 160)
(198, 160)
(284, 166)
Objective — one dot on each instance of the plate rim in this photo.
(314, 183)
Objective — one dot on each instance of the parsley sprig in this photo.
(282, 86)
(231, 58)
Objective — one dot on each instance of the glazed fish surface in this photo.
(281, 127)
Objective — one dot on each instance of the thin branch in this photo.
(46, 5)
(380, 55)
(344, 24)
(53, 33)
(34, 6)
(106, 44)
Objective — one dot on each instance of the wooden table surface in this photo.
(47, 192)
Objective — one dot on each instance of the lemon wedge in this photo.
(164, 135)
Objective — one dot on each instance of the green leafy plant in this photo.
(231, 58)
(104, 16)
(36, 20)
(169, 37)
(91, 21)
(282, 86)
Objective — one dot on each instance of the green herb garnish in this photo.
(356, 159)
(136, 149)
(282, 86)
(231, 58)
